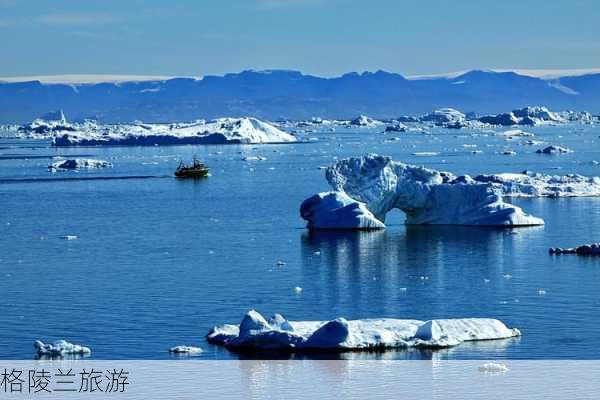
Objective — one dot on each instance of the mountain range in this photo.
(282, 94)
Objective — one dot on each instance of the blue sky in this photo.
(322, 37)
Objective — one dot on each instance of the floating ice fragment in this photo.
(70, 237)
(554, 150)
(364, 121)
(583, 250)
(493, 368)
(185, 350)
(298, 289)
(59, 348)
(78, 163)
(254, 158)
(515, 133)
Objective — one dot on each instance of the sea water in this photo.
(158, 261)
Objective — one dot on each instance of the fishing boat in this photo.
(196, 170)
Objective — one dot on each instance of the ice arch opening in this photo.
(369, 187)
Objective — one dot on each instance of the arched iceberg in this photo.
(426, 196)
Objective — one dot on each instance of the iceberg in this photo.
(185, 350)
(364, 121)
(46, 126)
(528, 116)
(90, 133)
(531, 184)
(397, 127)
(583, 250)
(451, 119)
(255, 333)
(552, 149)
(426, 196)
(219, 131)
(59, 348)
(504, 119)
(444, 116)
(407, 118)
(583, 117)
(78, 163)
(536, 115)
(336, 210)
(514, 133)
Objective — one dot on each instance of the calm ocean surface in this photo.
(160, 261)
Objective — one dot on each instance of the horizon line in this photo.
(541, 73)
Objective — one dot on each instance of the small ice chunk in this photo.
(514, 133)
(297, 290)
(59, 348)
(185, 350)
(69, 237)
(493, 368)
(554, 150)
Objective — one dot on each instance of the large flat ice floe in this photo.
(218, 131)
(426, 196)
(255, 333)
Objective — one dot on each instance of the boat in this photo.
(196, 170)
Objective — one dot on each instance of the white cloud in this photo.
(62, 19)
(76, 19)
(287, 3)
